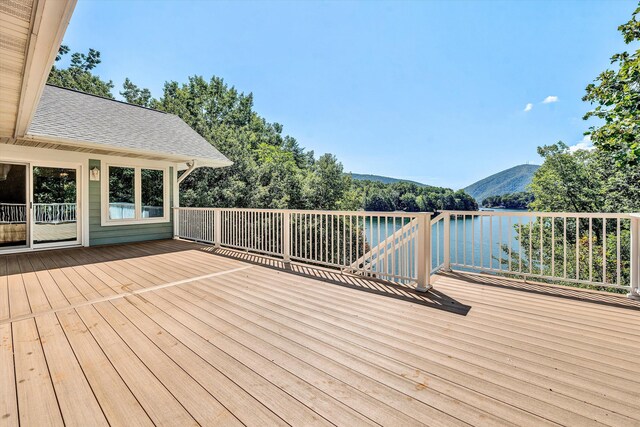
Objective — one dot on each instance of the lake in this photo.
(475, 241)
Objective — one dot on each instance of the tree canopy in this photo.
(584, 181)
(520, 200)
(78, 74)
(616, 96)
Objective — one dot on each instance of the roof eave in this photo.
(50, 23)
(202, 161)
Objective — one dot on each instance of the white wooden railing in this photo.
(338, 239)
(599, 249)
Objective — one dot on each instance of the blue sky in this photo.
(433, 91)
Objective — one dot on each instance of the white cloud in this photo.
(585, 144)
(550, 99)
(528, 107)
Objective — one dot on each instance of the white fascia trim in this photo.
(202, 161)
(49, 23)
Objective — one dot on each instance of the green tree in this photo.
(566, 181)
(326, 184)
(78, 75)
(617, 98)
(135, 95)
(280, 184)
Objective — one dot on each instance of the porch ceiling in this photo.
(30, 34)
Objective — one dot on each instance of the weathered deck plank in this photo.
(104, 379)
(8, 397)
(37, 403)
(75, 398)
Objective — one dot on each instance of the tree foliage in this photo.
(409, 197)
(521, 200)
(584, 181)
(135, 95)
(78, 75)
(616, 94)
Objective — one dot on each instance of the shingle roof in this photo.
(77, 116)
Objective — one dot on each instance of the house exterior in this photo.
(77, 169)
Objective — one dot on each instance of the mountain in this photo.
(383, 179)
(513, 180)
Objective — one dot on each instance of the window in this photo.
(152, 193)
(121, 193)
(135, 195)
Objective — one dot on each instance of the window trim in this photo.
(137, 195)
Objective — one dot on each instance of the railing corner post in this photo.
(217, 227)
(286, 236)
(423, 253)
(176, 223)
(447, 242)
(634, 293)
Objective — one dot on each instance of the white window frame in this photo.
(137, 195)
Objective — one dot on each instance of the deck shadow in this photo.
(432, 299)
(558, 291)
(78, 256)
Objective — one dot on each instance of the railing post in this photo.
(286, 236)
(176, 226)
(635, 258)
(217, 227)
(423, 253)
(447, 241)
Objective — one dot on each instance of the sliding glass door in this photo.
(38, 206)
(54, 211)
(14, 227)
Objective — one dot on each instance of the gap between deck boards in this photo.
(126, 294)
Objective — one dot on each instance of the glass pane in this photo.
(13, 205)
(152, 193)
(54, 205)
(121, 193)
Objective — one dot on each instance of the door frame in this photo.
(79, 205)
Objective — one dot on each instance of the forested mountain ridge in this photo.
(512, 180)
(384, 179)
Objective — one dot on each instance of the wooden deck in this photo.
(174, 333)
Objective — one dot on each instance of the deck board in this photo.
(173, 332)
(75, 397)
(102, 376)
(8, 397)
(37, 402)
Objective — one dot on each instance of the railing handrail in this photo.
(612, 215)
(314, 211)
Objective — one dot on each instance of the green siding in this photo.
(99, 235)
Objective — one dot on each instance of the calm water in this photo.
(476, 241)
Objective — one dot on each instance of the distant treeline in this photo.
(408, 197)
(520, 200)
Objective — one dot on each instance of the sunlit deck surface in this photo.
(175, 333)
